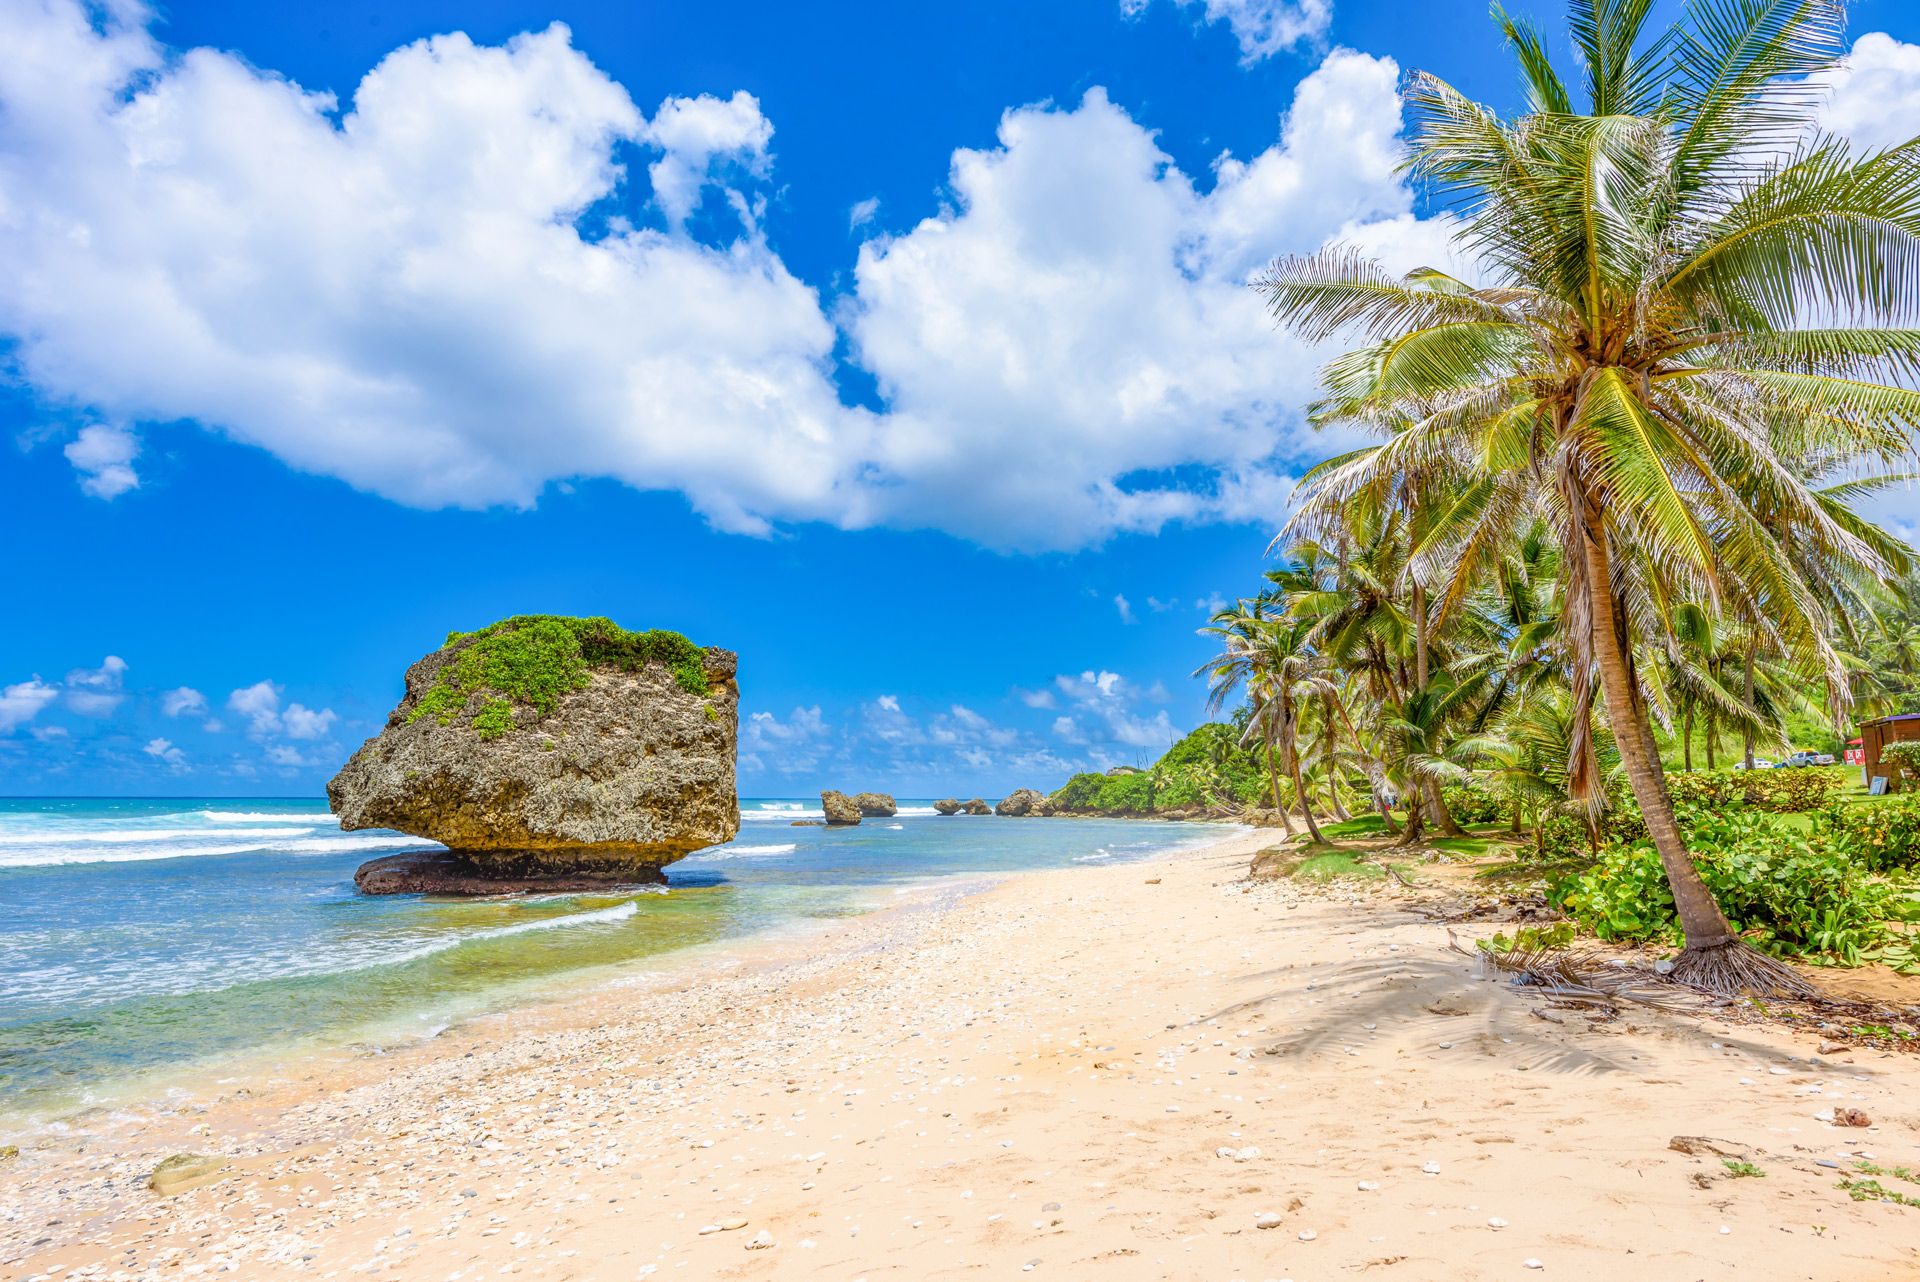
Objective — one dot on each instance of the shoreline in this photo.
(1045, 1070)
(168, 1058)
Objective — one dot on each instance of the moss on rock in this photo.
(533, 659)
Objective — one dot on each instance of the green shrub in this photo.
(1205, 769)
(1788, 894)
(1706, 788)
(1881, 834)
(533, 659)
(1114, 794)
(1902, 760)
(1793, 791)
(1469, 805)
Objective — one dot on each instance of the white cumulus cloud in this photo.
(103, 456)
(699, 135)
(185, 701)
(165, 750)
(259, 705)
(1874, 95)
(96, 692)
(1262, 27)
(300, 722)
(403, 289)
(22, 701)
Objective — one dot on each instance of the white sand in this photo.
(1044, 1075)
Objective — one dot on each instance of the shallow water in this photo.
(145, 937)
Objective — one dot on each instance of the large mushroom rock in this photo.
(875, 805)
(839, 809)
(1023, 802)
(977, 807)
(947, 807)
(549, 753)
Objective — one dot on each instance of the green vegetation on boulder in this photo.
(533, 659)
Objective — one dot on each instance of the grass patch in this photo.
(1739, 1170)
(1525, 869)
(1465, 847)
(1358, 826)
(1324, 864)
(532, 659)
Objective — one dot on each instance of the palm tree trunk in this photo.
(1293, 759)
(1279, 802)
(1714, 956)
(1330, 749)
(1686, 738)
(1437, 809)
(1289, 729)
(1747, 694)
(1436, 806)
(1416, 827)
(1376, 786)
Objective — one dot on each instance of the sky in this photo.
(905, 350)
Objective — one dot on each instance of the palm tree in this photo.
(1272, 659)
(1691, 288)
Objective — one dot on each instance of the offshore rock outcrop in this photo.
(549, 754)
(977, 807)
(875, 805)
(947, 807)
(839, 808)
(1024, 802)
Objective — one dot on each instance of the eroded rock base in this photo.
(452, 872)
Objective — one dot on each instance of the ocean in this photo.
(146, 941)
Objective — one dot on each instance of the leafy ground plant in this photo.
(1786, 893)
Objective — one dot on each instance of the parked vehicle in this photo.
(1759, 763)
(1806, 758)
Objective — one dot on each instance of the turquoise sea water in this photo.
(143, 938)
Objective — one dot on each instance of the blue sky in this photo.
(903, 349)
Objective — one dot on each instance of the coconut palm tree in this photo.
(1272, 659)
(1687, 288)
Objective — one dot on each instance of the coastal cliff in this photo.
(549, 753)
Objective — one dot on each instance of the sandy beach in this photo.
(1149, 1070)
